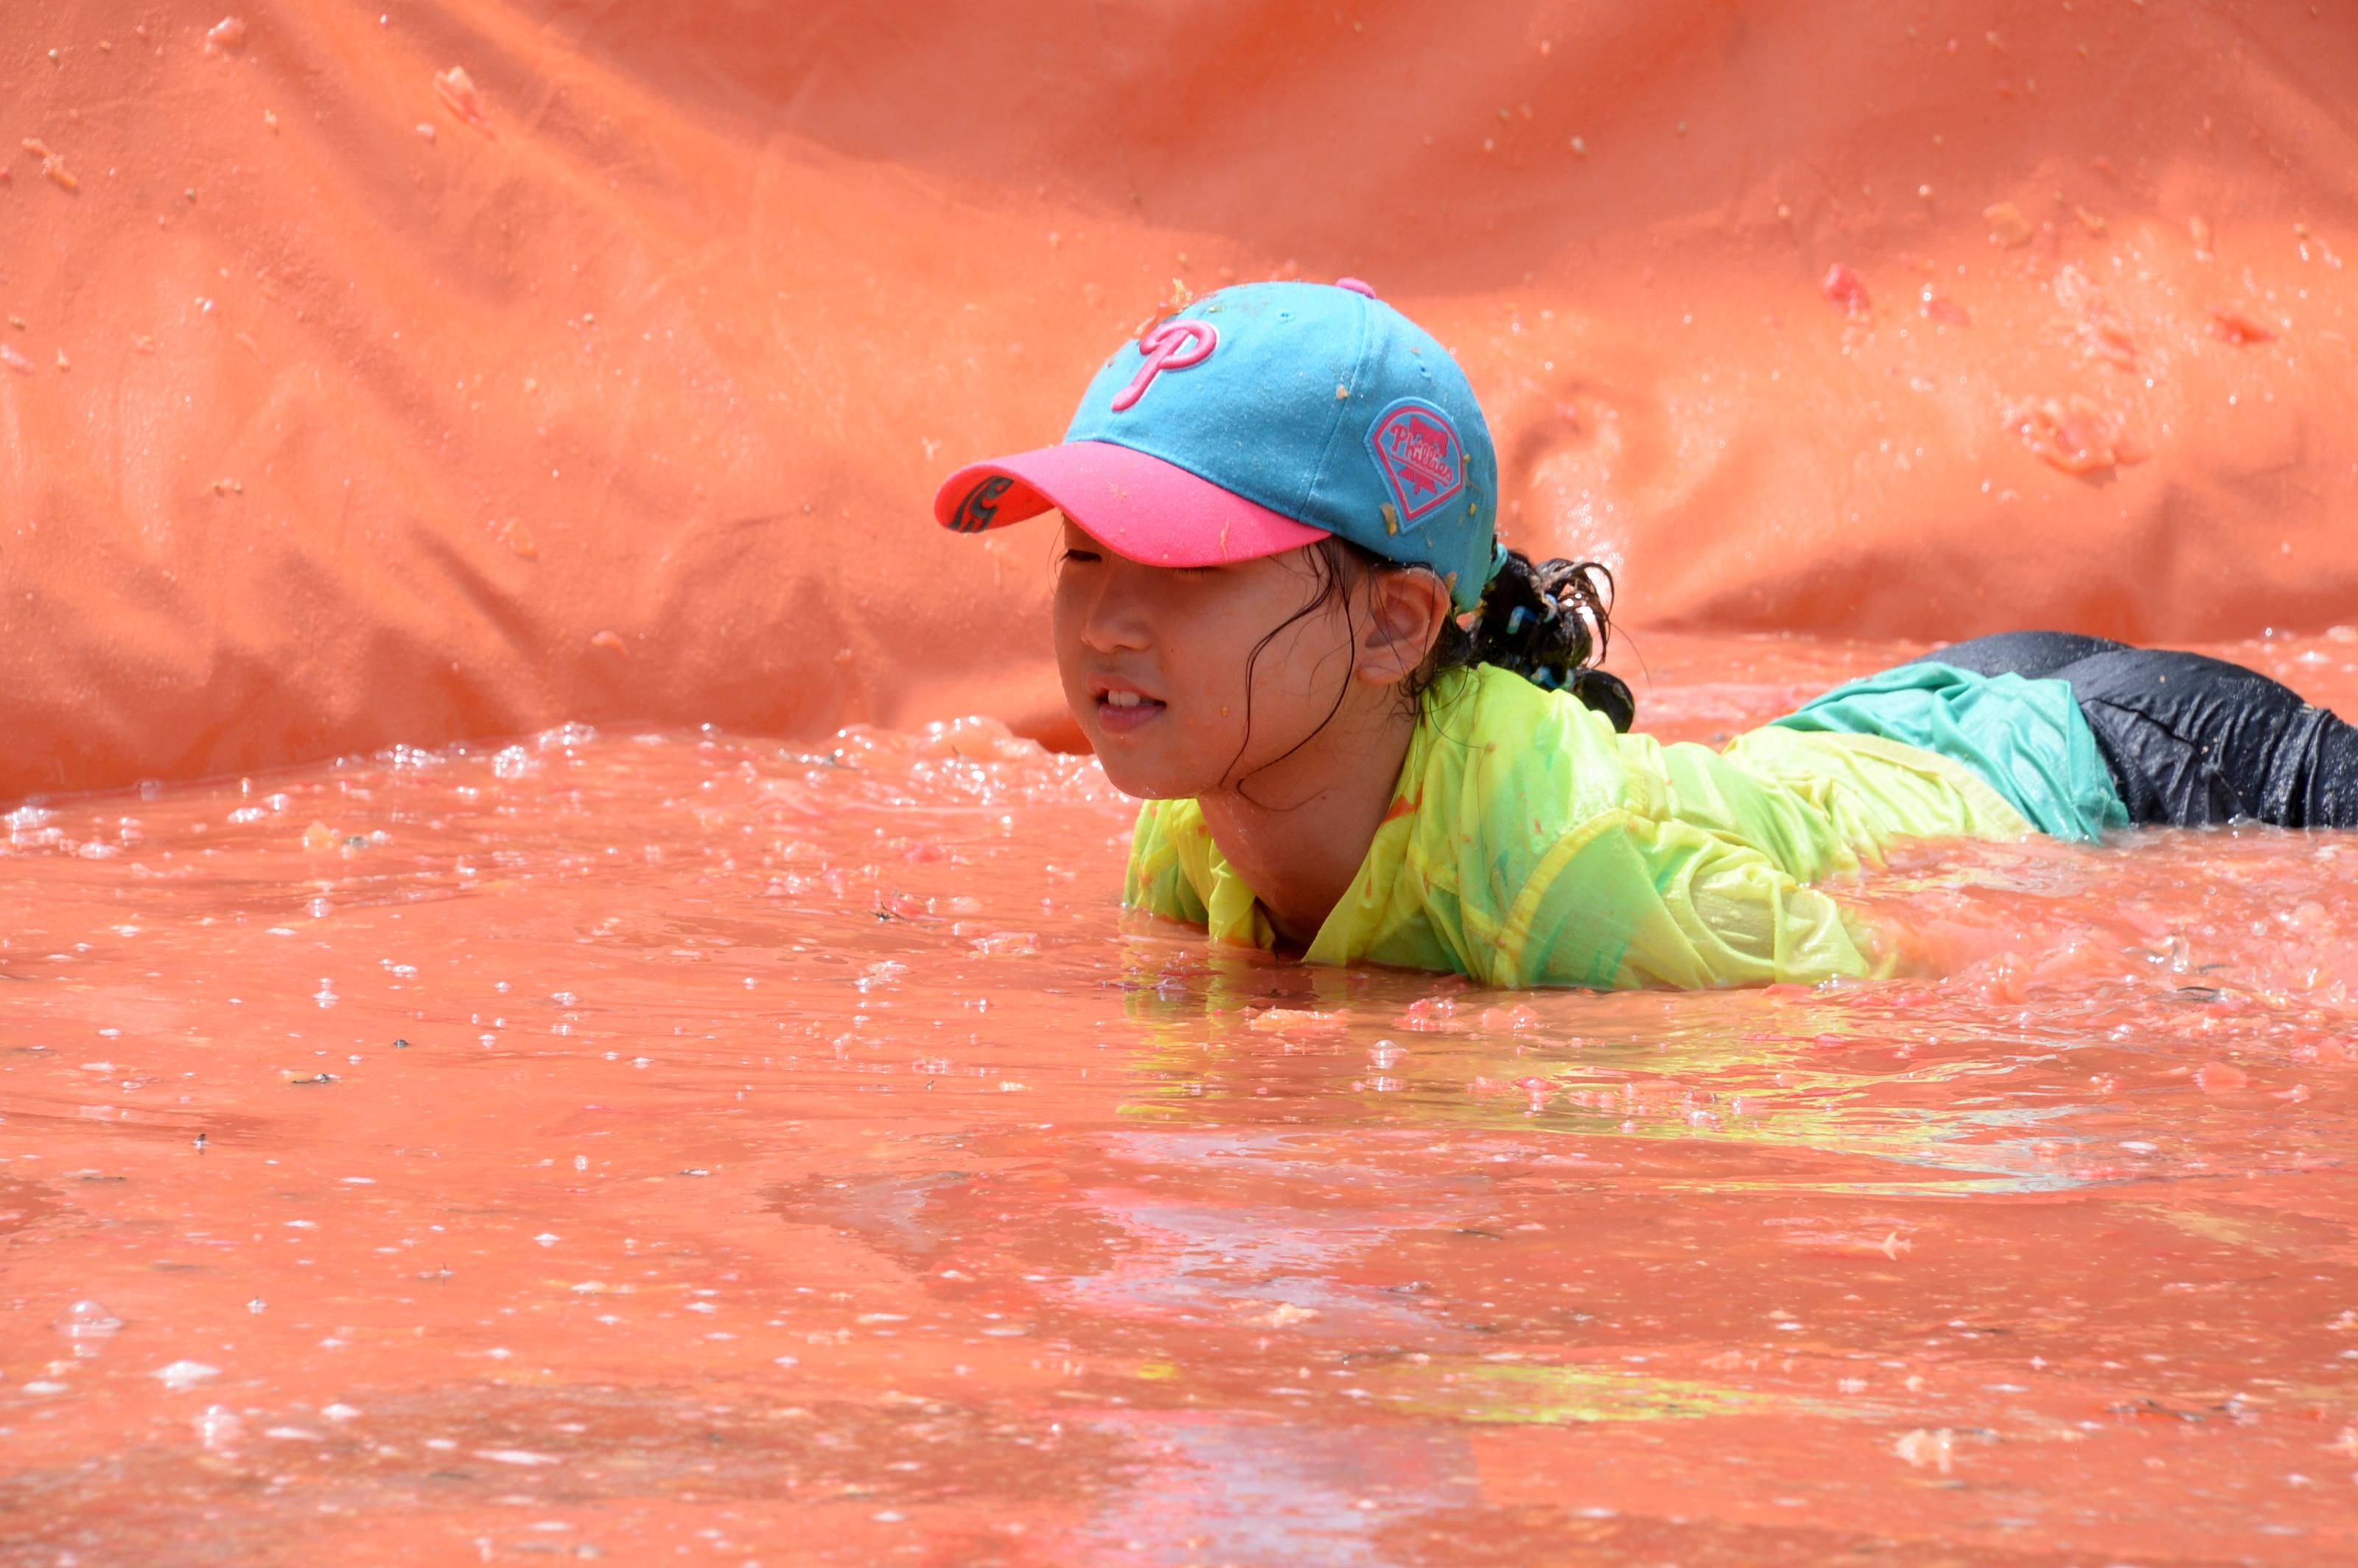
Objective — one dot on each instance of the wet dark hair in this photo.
(1548, 621)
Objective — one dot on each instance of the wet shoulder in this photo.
(1505, 768)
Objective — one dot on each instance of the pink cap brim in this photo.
(1136, 506)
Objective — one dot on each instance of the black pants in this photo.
(2189, 740)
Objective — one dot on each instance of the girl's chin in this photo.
(1141, 784)
(1144, 778)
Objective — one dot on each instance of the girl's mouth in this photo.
(1119, 712)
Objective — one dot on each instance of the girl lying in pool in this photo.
(1365, 733)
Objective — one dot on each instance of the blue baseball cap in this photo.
(1258, 420)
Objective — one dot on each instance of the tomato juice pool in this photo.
(694, 1146)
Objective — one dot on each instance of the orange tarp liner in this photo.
(392, 374)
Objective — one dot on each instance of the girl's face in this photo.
(1158, 662)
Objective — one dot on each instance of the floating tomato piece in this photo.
(1845, 288)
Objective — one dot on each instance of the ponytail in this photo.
(1549, 622)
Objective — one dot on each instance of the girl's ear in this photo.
(1406, 610)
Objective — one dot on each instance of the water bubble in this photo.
(183, 1375)
(881, 974)
(325, 996)
(514, 763)
(564, 736)
(1920, 1448)
(219, 1427)
(88, 1326)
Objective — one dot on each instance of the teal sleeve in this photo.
(2026, 739)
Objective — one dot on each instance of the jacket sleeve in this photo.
(1631, 900)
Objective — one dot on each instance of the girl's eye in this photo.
(1083, 558)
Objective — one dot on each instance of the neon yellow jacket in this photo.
(1528, 844)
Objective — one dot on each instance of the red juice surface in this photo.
(688, 1147)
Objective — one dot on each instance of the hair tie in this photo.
(1514, 619)
(1498, 561)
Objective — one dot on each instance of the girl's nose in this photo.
(1116, 620)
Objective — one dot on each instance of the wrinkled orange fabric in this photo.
(398, 374)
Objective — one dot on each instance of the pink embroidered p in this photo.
(1175, 345)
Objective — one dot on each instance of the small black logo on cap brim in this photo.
(979, 509)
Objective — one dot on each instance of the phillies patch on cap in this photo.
(1416, 446)
(1261, 418)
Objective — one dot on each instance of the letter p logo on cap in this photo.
(1175, 345)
